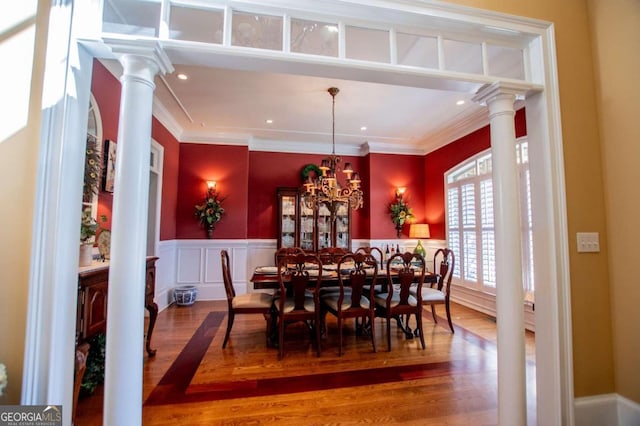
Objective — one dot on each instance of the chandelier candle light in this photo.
(326, 189)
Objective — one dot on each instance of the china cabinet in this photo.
(311, 228)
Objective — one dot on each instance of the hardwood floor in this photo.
(193, 381)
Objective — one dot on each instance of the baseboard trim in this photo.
(607, 409)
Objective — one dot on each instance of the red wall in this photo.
(270, 170)
(386, 173)
(228, 166)
(106, 90)
(438, 162)
(170, 173)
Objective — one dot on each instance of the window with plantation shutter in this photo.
(470, 222)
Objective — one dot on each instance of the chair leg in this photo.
(449, 316)
(267, 318)
(340, 335)
(372, 330)
(280, 338)
(433, 313)
(318, 327)
(389, 333)
(419, 326)
(229, 325)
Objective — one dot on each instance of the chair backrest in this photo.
(331, 254)
(286, 251)
(226, 276)
(410, 275)
(443, 264)
(297, 273)
(376, 252)
(361, 269)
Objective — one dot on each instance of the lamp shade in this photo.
(419, 230)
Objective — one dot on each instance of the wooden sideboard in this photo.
(93, 289)
(93, 283)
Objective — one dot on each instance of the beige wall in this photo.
(18, 161)
(616, 34)
(591, 307)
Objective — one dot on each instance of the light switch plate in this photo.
(588, 242)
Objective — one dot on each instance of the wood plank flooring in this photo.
(193, 381)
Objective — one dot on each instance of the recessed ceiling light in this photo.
(269, 121)
(460, 102)
(182, 76)
(363, 128)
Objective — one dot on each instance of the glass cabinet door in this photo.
(287, 202)
(325, 230)
(306, 227)
(342, 237)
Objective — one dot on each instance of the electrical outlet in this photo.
(588, 242)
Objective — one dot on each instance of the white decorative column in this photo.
(125, 314)
(512, 407)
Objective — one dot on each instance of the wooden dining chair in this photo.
(299, 278)
(353, 299)
(331, 254)
(376, 252)
(286, 251)
(439, 293)
(397, 300)
(250, 303)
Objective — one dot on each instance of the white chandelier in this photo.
(326, 188)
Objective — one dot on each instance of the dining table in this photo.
(266, 277)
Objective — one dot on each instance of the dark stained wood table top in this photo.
(262, 280)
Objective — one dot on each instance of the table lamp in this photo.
(419, 230)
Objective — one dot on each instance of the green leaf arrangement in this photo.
(92, 169)
(400, 212)
(210, 211)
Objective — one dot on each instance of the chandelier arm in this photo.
(326, 188)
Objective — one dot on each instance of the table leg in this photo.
(153, 315)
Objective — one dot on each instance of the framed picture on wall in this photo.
(109, 174)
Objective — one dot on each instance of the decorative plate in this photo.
(267, 269)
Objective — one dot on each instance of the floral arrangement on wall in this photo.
(210, 212)
(400, 214)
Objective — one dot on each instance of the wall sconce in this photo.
(419, 230)
(400, 191)
(211, 184)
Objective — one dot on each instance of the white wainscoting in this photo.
(197, 263)
(610, 410)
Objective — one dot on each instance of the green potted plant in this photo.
(88, 229)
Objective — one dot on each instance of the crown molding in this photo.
(166, 119)
(218, 138)
(387, 148)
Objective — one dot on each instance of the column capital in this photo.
(489, 92)
(150, 50)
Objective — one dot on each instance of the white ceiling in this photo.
(219, 104)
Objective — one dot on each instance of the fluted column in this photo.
(512, 407)
(125, 315)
